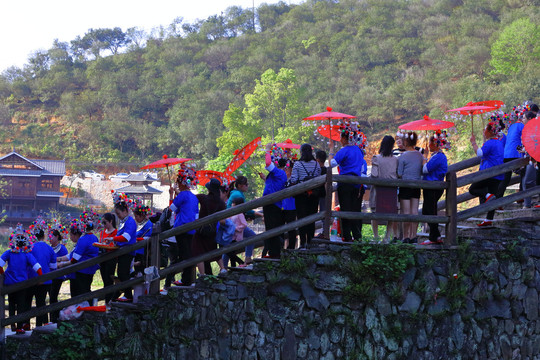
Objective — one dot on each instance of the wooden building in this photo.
(31, 186)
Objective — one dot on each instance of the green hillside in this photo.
(114, 95)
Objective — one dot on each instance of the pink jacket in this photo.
(240, 222)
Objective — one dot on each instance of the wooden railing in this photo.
(450, 219)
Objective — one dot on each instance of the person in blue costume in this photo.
(81, 233)
(141, 213)
(513, 143)
(46, 257)
(434, 170)
(350, 159)
(126, 235)
(18, 259)
(492, 154)
(289, 209)
(185, 206)
(55, 238)
(273, 182)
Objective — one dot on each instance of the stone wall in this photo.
(333, 302)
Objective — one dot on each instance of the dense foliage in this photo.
(115, 96)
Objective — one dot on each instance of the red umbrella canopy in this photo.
(426, 123)
(471, 109)
(165, 162)
(204, 176)
(495, 103)
(240, 156)
(288, 144)
(530, 137)
(332, 132)
(329, 115)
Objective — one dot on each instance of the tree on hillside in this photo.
(97, 40)
(517, 45)
(273, 111)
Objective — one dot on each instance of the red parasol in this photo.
(426, 123)
(330, 115)
(472, 109)
(330, 132)
(204, 176)
(240, 156)
(495, 103)
(165, 162)
(288, 144)
(530, 137)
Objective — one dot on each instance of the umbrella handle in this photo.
(169, 175)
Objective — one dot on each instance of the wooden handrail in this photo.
(491, 172)
(73, 268)
(464, 164)
(414, 184)
(495, 204)
(467, 196)
(242, 208)
(390, 217)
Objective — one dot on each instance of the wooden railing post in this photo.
(328, 203)
(451, 208)
(155, 257)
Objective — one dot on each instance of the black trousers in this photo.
(179, 251)
(53, 297)
(107, 270)
(273, 218)
(40, 293)
(124, 267)
(306, 205)
(350, 200)
(431, 197)
(507, 176)
(289, 216)
(83, 283)
(17, 304)
(482, 188)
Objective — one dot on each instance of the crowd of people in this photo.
(399, 157)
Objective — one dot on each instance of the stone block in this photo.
(412, 303)
(530, 304)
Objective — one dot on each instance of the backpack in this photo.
(224, 234)
(314, 192)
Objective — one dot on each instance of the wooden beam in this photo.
(495, 204)
(467, 196)
(415, 184)
(391, 217)
(465, 164)
(491, 172)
